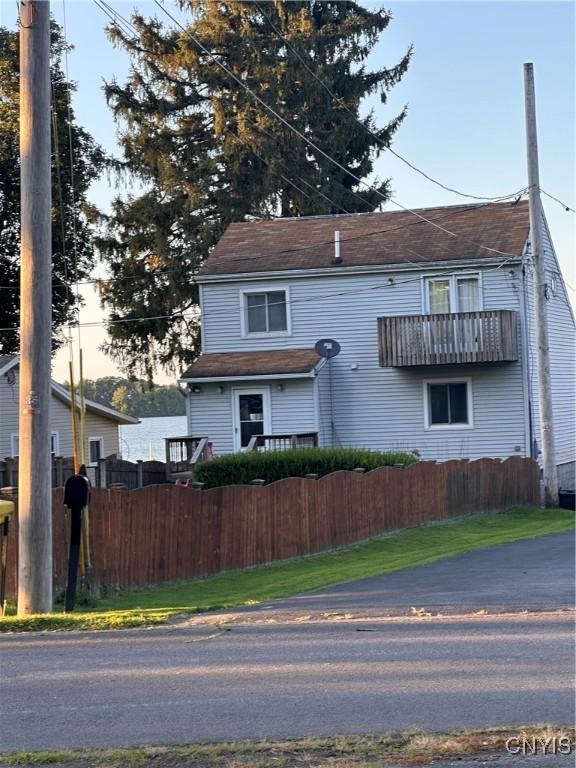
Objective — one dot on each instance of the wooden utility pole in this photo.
(34, 482)
(540, 297)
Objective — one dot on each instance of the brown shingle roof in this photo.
(371, 239)
(238, 364)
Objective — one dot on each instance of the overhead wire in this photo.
(283, 251)
(308, 141)
(557, 200)
(289, 302)
(362, 124)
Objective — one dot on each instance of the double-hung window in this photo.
(54, 444)
(266, 312)
(453, 293)
(448, 403)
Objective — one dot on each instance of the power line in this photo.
(375, 136)
(564, 205)
(285, 251)
(318, 297)
(312, 144)
(114, 16)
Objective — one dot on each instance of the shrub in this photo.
(242, 468)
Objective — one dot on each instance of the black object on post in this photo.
(76, 493)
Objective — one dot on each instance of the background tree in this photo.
(68, 209)
(206, 153)
(136, 397)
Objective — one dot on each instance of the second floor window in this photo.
(452, 293)
(266, 312)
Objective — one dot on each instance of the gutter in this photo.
(227, 277)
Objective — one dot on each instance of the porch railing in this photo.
(184, 453)
(283, 442)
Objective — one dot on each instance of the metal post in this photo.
(540, 300)
(34, 483)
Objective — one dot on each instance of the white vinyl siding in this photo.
(292, 409)
(561, 331)
(60, 422)
(375, 407)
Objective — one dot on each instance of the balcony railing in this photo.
(461, 337)
(282, 442)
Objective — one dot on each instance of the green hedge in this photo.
(242, 468)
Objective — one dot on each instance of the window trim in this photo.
(95, 439)
(428, 426)
(245, 333)
(453, 280)
(14, 439)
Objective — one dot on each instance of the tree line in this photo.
(197, 152)
(136, 397)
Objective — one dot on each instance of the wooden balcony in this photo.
(283, 442)
(448, 339)
(184, 453)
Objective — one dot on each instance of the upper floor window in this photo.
(453, 293)
(266, 312)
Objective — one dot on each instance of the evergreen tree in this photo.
(68, 209)
(206, 153)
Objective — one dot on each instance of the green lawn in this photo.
(393, 552)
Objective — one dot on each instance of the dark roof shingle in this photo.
(371, 239)
(266, 363)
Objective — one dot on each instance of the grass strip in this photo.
(385, 554)
(344, 751)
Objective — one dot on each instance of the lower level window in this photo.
(95, 449)
(54, 444)
(448, 403)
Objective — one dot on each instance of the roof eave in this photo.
(252, 377)
(476, 263)
(93, 407)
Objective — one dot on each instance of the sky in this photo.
(465, 122)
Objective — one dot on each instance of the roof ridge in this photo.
(378, 213)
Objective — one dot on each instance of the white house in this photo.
(435, 322)
(101, 422)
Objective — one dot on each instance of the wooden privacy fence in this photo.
(106, 473)
(164, 533)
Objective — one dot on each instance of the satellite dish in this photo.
(327, 348)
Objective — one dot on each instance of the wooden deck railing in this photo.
(183, 453)
(461, 337)
(283, 442)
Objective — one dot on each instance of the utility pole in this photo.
(540, 298)
(34, 475)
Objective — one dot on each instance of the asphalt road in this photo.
(191, 683)
(159, 686)
(536, 574)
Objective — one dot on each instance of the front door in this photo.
(251, 415)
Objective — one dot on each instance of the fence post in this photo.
(140, 474)
(59, 462)
(101, 473)
(10, 481)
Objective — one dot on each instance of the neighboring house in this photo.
(101, 422)
(437, 334)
